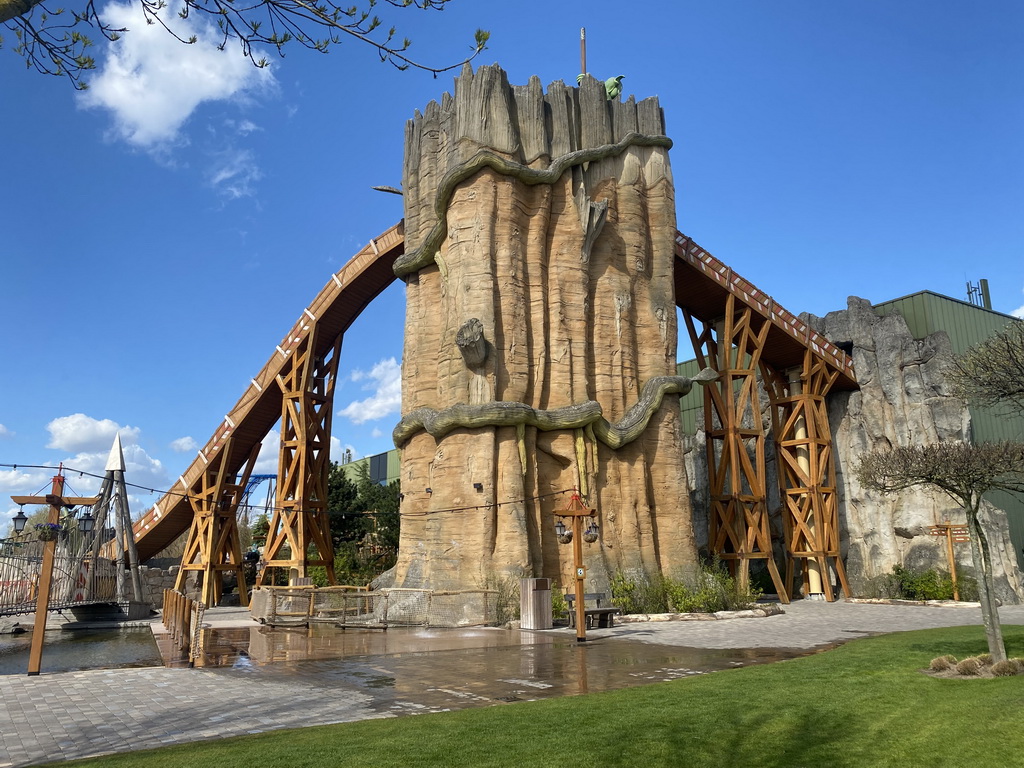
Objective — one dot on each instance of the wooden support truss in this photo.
(739, 523)
(806, 471)
(299, 536)
(213, 547)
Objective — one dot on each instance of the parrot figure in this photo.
(613, 87)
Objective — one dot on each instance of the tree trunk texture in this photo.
(546, 221)
(986, 589)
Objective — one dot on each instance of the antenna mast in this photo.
(583, 50)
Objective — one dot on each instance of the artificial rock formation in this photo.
(540, 336)
(903, 400)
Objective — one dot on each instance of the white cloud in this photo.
(84, 473)
(5, 432)
(385, 380)
(234, 173)
(153, 83)
(270, 448)
(184, 445)
(79, 432)
(1018, 312)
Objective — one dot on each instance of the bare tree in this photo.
(992, 373)
(965, 472)
(51, 39)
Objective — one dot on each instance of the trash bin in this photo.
(535, 603)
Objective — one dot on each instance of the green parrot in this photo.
(613, 87)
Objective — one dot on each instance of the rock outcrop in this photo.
(903, 400)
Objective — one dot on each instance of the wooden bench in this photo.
(604, 616)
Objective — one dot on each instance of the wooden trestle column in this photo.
(739, 525)
(213, 546)
(806, 470)
(299, 520)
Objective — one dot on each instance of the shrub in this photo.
(1005, 669)
(942, 663)
(506, 601)
(1020, 665)
(639, 595)
(905, 584)
(710, 589)
(985, 659)
(969, 667)
(559, 605)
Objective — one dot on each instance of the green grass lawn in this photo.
(865, 703)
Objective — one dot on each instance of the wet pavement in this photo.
(292, 678)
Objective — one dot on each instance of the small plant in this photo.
(506, 602)
(711, 589)
(969, 667)
(905, 584)
(47, 531)
(1020, 665)
(644, 595)
(1005, 669)
(559, 605)
(985, 659)
(942, 663)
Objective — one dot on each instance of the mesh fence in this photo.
(354, 607)
(76, 578)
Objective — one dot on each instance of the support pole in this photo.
(35, 657)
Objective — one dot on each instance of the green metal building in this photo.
(383, 468)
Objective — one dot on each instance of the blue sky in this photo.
(162, 232)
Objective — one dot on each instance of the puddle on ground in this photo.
(73, 650)
(409, 671)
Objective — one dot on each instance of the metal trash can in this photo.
(535, 604)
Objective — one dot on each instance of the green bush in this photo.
(559, 605)
(639, 596)
(710, 589)
(927, 585)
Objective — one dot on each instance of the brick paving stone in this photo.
(60, 716)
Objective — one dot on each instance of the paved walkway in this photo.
(59, 716)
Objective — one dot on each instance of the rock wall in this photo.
(540, 336)
(903, 400)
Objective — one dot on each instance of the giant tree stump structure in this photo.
(540, 338)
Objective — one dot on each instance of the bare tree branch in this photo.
(992, 373)
(50, 40)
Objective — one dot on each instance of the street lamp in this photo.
(576, 511)
(19, 520)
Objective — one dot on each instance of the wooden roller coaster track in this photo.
(706, 290)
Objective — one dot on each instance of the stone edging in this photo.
(929, 603)
(753, 613)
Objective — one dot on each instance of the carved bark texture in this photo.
(549, 218)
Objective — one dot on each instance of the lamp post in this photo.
(576, 511)
(56, 500)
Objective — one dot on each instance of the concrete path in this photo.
(60, 716)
